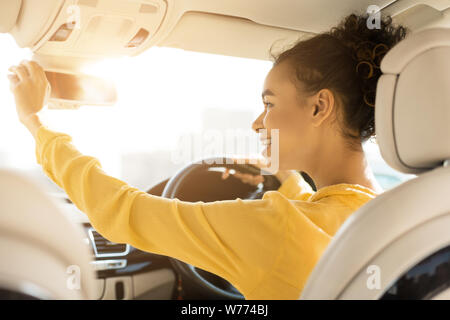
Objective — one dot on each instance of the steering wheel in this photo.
(180, 186)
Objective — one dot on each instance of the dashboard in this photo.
(122, 271)
(125, 272)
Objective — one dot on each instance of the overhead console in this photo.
(88, 28)
(66, 35)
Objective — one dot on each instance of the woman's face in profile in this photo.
(287, 110)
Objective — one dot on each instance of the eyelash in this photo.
(268, 104)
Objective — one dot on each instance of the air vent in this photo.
(106, 248)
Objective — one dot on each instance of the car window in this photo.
(167, 99)
(385, 175)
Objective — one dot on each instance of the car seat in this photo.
(396, 246)
(44, 254)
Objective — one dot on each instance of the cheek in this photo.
(293, 129)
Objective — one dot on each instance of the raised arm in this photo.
(239, 240)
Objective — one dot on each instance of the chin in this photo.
(266, 153)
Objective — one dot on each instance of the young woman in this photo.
(320, 95)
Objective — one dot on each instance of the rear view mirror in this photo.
(71, 91)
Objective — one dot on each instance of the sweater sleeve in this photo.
(238, 240)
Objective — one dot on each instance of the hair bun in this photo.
(368, 47)
(368, 56)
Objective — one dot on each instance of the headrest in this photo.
(412, 109)
(9, 10)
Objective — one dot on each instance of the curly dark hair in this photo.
(346, 60)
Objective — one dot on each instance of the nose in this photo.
(258, 123)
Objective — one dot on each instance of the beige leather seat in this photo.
(391, 234)
(43, 254)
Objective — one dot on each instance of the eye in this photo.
(268, 104)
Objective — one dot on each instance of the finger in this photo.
(259, 179)
(13, 70)
(256, 180)
(250, 178)
(20, 71)
(13, 78)
(247, 178)
(238, 175)
(25, 64)
(13, 81)
(24, 67)
(36, 70)
(226, 174)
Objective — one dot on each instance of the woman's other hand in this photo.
(255, 179)
(30, 87)
(244, 177)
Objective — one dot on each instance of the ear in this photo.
(323, 106)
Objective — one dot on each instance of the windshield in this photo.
(167, 99)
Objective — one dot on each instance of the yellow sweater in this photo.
(266, 248)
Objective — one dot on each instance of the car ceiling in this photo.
(243, 28)
(249, 28)
(301, 15)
